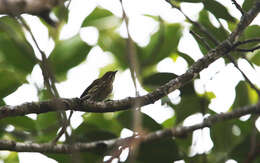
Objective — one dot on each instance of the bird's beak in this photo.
(115, 71)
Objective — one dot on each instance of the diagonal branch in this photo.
(103, 145)
(48, 76)
(238, 7)
(111, 106)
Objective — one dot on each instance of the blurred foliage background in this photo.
(231, 140)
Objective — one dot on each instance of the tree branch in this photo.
(238, 6)
(111, 106)
(103, 145)
(18, 7)
(196, 24)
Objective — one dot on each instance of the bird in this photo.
(100, 88)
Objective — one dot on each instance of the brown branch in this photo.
(17, 7)
(179, 131)
(195, 35)
(238, 7)
(49, 79)
(127, 103)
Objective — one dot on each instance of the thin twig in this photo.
(178, 131)
(238, 7)
(134, 68)
(49, 79)
(195, 35)
(238, 43)
(127, 103)
(232, 59)
(248, 50)
(196, 24)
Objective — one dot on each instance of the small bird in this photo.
(100, 88)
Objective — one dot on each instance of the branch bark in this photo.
(130, 103)
(104, 145)
(17, 7)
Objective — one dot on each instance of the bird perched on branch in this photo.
(100, 88)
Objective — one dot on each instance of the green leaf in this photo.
(184, 143)
(192, 1)
(188, 90)
(62, 12)
(15, 51)
(11, 27)
(256, 58)
(218, 10)
(157, 79)
(112, 42)
(162, 44)
(251, 32)
(67, 54)
(21, 123)
(12, 158)
(105, 122)
(102, 19)
(188, 106)
(89, 132)
(241, 151)
(163, 150)
(223, 138)
(219, 34)
(169, 123)
(64, 158)
(47, 126)
(148, 124)
(247, 5)
(2, 103)
(185, 56)
(10, 81)
(82, 156)
(242, 98)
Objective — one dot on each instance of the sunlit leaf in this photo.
(218, 10)
(12, 158)
(10, 81)
(247, 4)
(15, 51)
(252, 31)
(67, 54)
(187, 58)
(162, 44)
(169, 123)
(112, 42)
(242, 98)
(101, 19)
(192, 1)
(256, 58)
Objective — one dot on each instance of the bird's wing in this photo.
(89, 87)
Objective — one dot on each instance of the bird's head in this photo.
(109, 75)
